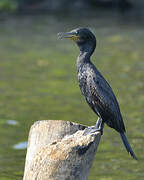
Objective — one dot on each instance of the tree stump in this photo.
(58, 150)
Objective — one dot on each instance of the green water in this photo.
(38, 81)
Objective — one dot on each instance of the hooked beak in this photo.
(68, 35)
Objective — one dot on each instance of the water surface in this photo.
(38, 81)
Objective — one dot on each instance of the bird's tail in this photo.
(127, 145)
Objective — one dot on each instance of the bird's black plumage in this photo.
(94, 87)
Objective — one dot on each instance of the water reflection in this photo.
(21, 145)
(12, 122)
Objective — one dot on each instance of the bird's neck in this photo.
(86, 50)
(83, 58)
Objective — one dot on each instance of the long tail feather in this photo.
(127, 145)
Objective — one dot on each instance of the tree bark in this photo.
(58, 150)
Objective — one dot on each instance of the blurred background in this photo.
(38, 77)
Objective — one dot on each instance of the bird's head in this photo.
(83, 37)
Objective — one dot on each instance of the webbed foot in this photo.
(91, 130)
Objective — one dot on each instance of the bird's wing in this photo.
(105, 102)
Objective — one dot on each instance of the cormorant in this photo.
(95, 88)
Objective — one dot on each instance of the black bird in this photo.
(95, 88)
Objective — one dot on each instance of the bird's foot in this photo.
(92, 129)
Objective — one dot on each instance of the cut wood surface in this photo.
(58, 150)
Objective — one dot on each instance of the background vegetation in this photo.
(18, 5)
(9, 5)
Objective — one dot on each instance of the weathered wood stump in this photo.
(58, 150)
